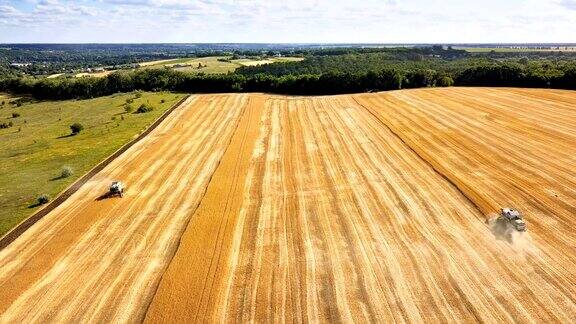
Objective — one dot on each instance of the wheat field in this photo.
(367, 207)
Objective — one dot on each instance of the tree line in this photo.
(332, 82)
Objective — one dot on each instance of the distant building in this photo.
(20, 64)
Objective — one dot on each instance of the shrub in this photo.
(66, 172)
(138, 95)
(3, 102)
(4, 125)
(15, 115)
(128, 108)
(163, 101)
(129, 100)
(10, 124)
(76, 128)
(43, 199)
(144, 108)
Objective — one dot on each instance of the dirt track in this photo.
(366, 207)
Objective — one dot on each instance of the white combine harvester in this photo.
(116, 189)
(514, 218)
(508, 222)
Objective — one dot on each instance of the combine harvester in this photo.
(116, 189)
(509, 222)
(514, 218)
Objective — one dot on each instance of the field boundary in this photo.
(24, 225)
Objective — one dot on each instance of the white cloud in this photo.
(569, 4)
(288, 20)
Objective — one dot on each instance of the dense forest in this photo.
(326, 71)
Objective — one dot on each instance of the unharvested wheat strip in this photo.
(527, 153)
(496, 154)
(544, 139)
(552, 104)
(184, 205)
(487, 203)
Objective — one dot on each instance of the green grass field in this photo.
(207, 65)
(210, 65)
(213, 65)
(36, 148)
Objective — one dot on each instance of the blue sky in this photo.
(274, 21)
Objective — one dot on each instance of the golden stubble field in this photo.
(370, 207)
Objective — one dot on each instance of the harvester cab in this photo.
(514, 218)
(117, 188)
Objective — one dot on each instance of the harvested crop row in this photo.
(100, 260)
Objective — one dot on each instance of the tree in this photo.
(66, 172)
(445, 81)
(144, 108)
(76, 128)
(43, 199)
